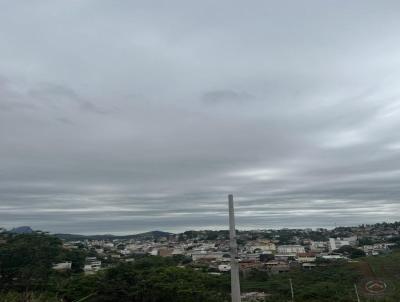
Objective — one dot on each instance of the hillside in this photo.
(148, 235)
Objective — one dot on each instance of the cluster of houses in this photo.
(255, 252)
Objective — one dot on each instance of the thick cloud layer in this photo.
(120, 117)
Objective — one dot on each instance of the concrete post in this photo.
(235, 282)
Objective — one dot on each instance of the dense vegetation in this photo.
(26, 275)
(151, 279)
(26, 261)
(351, 252)
(331, 283)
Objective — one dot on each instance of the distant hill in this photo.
(21, 230)
(142, 236)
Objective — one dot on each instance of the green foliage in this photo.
(151, 279)
(81, 286)
(77, 257)
(317, 236)
(365, 241)
(211, 236)
(395, 240)
(26, 261)
(182, 259)
(205, 235)
(256, 275)
(351, 251)
(286, 236)
(28, 297)
(127, 283)
(322, 284)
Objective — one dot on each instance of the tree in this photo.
(26, 261)
(77, 257)
(351, 251)
(151, 279)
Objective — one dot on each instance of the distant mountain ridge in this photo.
(22, 230)
(147, 235)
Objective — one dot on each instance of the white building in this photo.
(125, 252)
(154, 252)
(290, 249)
(252, 257)
(254, 296)
(377, 248)
(319, 246)
(100, 251)
(62, 266)
(306, 257)
(203, 255)
(92, 265)
(263, 247)
(337, 243)
(178, 251)
(333, 257)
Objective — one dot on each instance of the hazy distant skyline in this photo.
(128, 116)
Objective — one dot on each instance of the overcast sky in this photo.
(127, 116)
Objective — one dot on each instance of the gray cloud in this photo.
(113, 122)
(54, 94)
(217, 96)
(11, 100)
